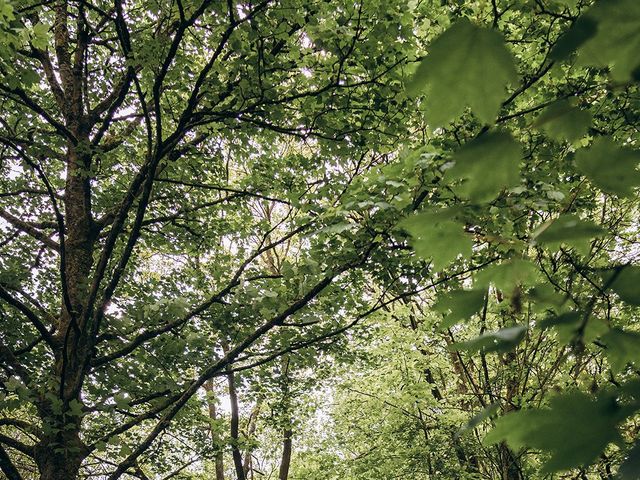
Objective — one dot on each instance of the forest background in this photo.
(307, 239)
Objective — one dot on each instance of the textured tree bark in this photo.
(285, 462)
(59, 455)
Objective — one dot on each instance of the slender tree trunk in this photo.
(235, 427)
(285, 461)
(287, 444)
(251, 430)
(219, 458)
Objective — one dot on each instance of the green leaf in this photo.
(569, 230)
(610, 167)
(478, 418)
(460, 305)
(562, 121)
(437, 237)
(622, 348)
(40, 37)
(466, 66)
(508, 275)
(121, 400)
(502, 340)
(75, 408)
(567, 327)
(495, 152)
(630, 468)
(573, 430)
(626, 283)
(616, 42)
(582, 30)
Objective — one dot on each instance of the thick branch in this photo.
(30, 314)
(7, 466)
(30, 229)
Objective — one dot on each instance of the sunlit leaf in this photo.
(436, 237)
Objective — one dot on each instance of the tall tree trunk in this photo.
(235, 427)
(59, 454)
(285, 461)
(215, 438)
(251, 430)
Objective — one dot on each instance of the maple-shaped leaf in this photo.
(610, 167)
(486, 166)
(616, 42)
(437, 236)
(467, 66)
(573, 430)
(562, 121)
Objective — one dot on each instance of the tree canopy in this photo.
(307, 239)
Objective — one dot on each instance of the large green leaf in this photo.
(486, 166)
(459, 305)
(508, 275)
(573, 430)
(583, 29)
(437, 237)
(467, 66)
(501, 340)
(569, 230)
(622, 348)
(630, 468)
(478, 418)
(568, 327)
(616, 42)
(562, 121)
(625, 282)
(610, 167)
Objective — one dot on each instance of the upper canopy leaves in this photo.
(467, 65)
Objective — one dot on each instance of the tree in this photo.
(137, 139)
(207, 190)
